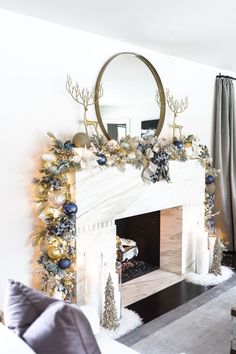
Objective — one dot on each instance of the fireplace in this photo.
(144, 230)
(106, 196)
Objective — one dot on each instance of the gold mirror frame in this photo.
(158, 82)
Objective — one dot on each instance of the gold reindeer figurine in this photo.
(85, 98)
(176, 107)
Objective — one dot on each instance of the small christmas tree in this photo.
(217, 258)
(109, 318)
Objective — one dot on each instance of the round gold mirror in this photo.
(133, 99)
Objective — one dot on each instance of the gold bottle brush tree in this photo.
(86, 98)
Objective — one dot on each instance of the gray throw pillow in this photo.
(23, 305)
(61, 329)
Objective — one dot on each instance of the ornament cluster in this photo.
(56, 235)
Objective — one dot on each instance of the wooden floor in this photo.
(173, 296)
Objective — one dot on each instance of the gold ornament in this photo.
(56, 248)
(211, 188)
(56, 198)
(188, 144)
(54, 252)
(81, 140)
(40, 191)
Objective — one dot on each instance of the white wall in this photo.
(35, 57)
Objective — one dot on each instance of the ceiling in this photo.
(199, 30)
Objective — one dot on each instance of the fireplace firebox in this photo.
(144, 229)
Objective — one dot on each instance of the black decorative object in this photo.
(102, 160)
(70, 208)
(64, 263)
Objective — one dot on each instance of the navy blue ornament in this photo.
(70, 208)
(210, 179)
(101, 159)
(179, 144)
(68, 145)
(64, 263)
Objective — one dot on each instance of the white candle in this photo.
(93, 282)
(203, 262)
(202, 254)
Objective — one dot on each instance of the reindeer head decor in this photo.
(86, 98)
(177, 107)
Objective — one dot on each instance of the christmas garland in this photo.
(56, 234)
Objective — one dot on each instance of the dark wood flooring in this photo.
(168, 299)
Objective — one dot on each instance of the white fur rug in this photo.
(128, 321)
(209, 279)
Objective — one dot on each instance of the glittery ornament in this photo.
(101, 159)
(56, 198)
(178, 144)
(40, 191)
(64, 263)
(210, 179)
(70, 208)
(81, 140)
(211, 188)
(54, 252)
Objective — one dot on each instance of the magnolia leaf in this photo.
(51, 135)
(59, 144)
(41, 207)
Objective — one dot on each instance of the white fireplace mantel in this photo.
(106, 194)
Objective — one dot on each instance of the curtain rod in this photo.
(226, 76)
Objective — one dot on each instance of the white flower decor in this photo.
(86, 158)
(48, 157)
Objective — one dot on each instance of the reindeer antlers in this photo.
(84, 96)
(176, 106)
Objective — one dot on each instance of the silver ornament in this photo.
(56, 199)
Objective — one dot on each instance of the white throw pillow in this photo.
(11, 343)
